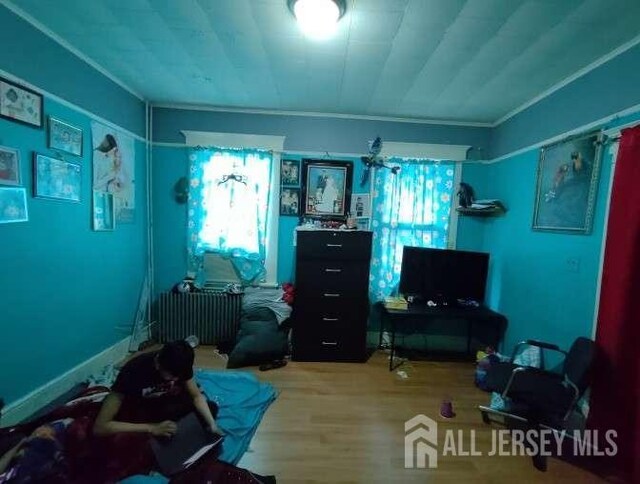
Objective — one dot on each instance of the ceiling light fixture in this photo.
(318, 19)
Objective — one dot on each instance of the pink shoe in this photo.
(446, 409)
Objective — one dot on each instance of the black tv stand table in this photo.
(492, 324)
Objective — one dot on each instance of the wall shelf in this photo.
(497, 209)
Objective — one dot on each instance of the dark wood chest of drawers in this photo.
(331, 305)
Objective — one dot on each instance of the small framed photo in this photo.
(290, 201)
(13, 205)
(103, 211)
(64, 137)
(20, 104)
(56, 179)
(360, 205)
(9, 166)
(290, 173)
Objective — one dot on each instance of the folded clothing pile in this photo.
(489, 204)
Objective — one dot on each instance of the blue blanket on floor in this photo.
(242, 401)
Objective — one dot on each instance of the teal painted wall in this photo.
(65, 288)
(470, 234)
(170, 219)
(532, 279)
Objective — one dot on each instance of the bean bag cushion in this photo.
(260, 339)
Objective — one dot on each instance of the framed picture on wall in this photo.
(103, 211)
(361, 205)
(290, 173)
(326, 189)
(9, 166)
(13, 205)
(290, 201)
(56, 179)
(64, 137)
(567, 184)
(20, 104)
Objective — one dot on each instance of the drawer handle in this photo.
(333, 270)
(330, 319)
(329, 343)
(330, 294)
(334, 245)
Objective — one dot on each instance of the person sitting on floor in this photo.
(152, 392)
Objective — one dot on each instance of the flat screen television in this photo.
(444, 275)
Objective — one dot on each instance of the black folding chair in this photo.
(540, 398)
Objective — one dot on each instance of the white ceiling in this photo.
(459, 60)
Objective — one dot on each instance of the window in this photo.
(236, 200)
(229, 206)
(412, 208)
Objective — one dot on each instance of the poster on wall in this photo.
(114, 168)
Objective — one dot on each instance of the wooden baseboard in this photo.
(26, 406)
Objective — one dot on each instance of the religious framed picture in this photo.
(13, 205)
(20, 104)
(56, 179)
(9, 166)
(290, 173)
(326, 189)
(64, 137)
(290, 201)
(567, 185)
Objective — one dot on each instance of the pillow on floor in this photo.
(260, 340)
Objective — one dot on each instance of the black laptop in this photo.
(190, 443)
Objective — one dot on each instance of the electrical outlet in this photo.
(573, 264)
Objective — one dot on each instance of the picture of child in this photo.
(290, 172)
(289, 201)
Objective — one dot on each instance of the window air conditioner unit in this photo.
(218, 273)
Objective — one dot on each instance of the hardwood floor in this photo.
(341, 422)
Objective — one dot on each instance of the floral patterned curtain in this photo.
(228, 208)
(411, 208)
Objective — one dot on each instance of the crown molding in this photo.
(272, 112)
(568, 80)
(55, 37)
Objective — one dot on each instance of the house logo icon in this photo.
(420, 443)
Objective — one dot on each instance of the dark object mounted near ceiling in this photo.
(181, 190)
(373, 159)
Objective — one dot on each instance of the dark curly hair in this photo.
(177, 358)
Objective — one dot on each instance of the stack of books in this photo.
(395, 303)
